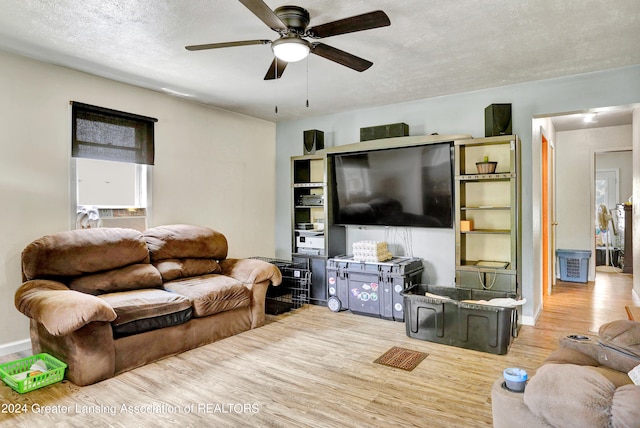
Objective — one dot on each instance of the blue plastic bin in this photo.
(574, 265)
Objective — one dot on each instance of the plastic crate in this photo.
(372, 289)
(443, 317)
(574, 265)
(54, 373)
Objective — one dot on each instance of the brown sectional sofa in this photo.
(109, 300)
(584, 383)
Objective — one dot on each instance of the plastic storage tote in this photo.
(372, 289)
(444, 317)
(574, 265)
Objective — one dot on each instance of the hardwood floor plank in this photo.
(314, 368)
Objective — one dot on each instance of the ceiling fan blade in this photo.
(226, 45)
(366, 21)
(265, 14)
(341, 57)
(278, 66)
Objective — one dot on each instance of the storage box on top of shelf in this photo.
(384, 131)
(574, 265)
(372, 289)
(441, 315)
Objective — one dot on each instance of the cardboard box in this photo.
(466, 225)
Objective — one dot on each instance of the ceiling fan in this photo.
(291, 22)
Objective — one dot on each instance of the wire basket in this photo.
(293, 292)
(486, 167)
(10, 373)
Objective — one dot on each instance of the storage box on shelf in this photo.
(487, 253)
(372, 289)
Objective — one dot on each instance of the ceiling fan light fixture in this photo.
(291, 49)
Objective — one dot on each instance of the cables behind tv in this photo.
(400, 237)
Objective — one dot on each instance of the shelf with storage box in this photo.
(487, 213)
(314, 236)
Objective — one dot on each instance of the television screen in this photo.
(408, 186)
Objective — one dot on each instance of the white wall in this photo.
(464, 114)
(213, 168)
(623, 162)
(575, 160)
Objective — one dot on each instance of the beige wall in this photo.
(213, 168)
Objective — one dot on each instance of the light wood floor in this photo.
(314, 368)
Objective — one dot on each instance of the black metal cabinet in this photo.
(314, 236)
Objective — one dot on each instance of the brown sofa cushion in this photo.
(181, 241)
(625, 411)
(131, 277)
(143, 310)
(171, 269)
(567, 395)
(617, 378)
(60, 310)
(623, 335)
(82, 251)
(570, 356)
(211, 294)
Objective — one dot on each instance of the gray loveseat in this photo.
(108, 300)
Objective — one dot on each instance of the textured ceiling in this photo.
(432, 48)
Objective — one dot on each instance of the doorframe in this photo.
(548, 215)
(548, 220)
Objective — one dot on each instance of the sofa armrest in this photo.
(251, 271)
(59, 309)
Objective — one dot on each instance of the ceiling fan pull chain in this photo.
(276, 79)
(307, 82)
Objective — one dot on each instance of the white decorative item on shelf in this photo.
(371, 251)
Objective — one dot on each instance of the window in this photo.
(112, 152)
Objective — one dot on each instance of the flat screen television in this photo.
(407, 186)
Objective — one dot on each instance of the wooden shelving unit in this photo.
(488, 255)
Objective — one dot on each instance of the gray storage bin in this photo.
(445, 319)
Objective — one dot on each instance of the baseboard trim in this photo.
(528, 320)
(13, 347)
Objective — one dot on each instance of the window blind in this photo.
(105, 134)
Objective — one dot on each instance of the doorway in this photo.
(613, 185)
(575, 141)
